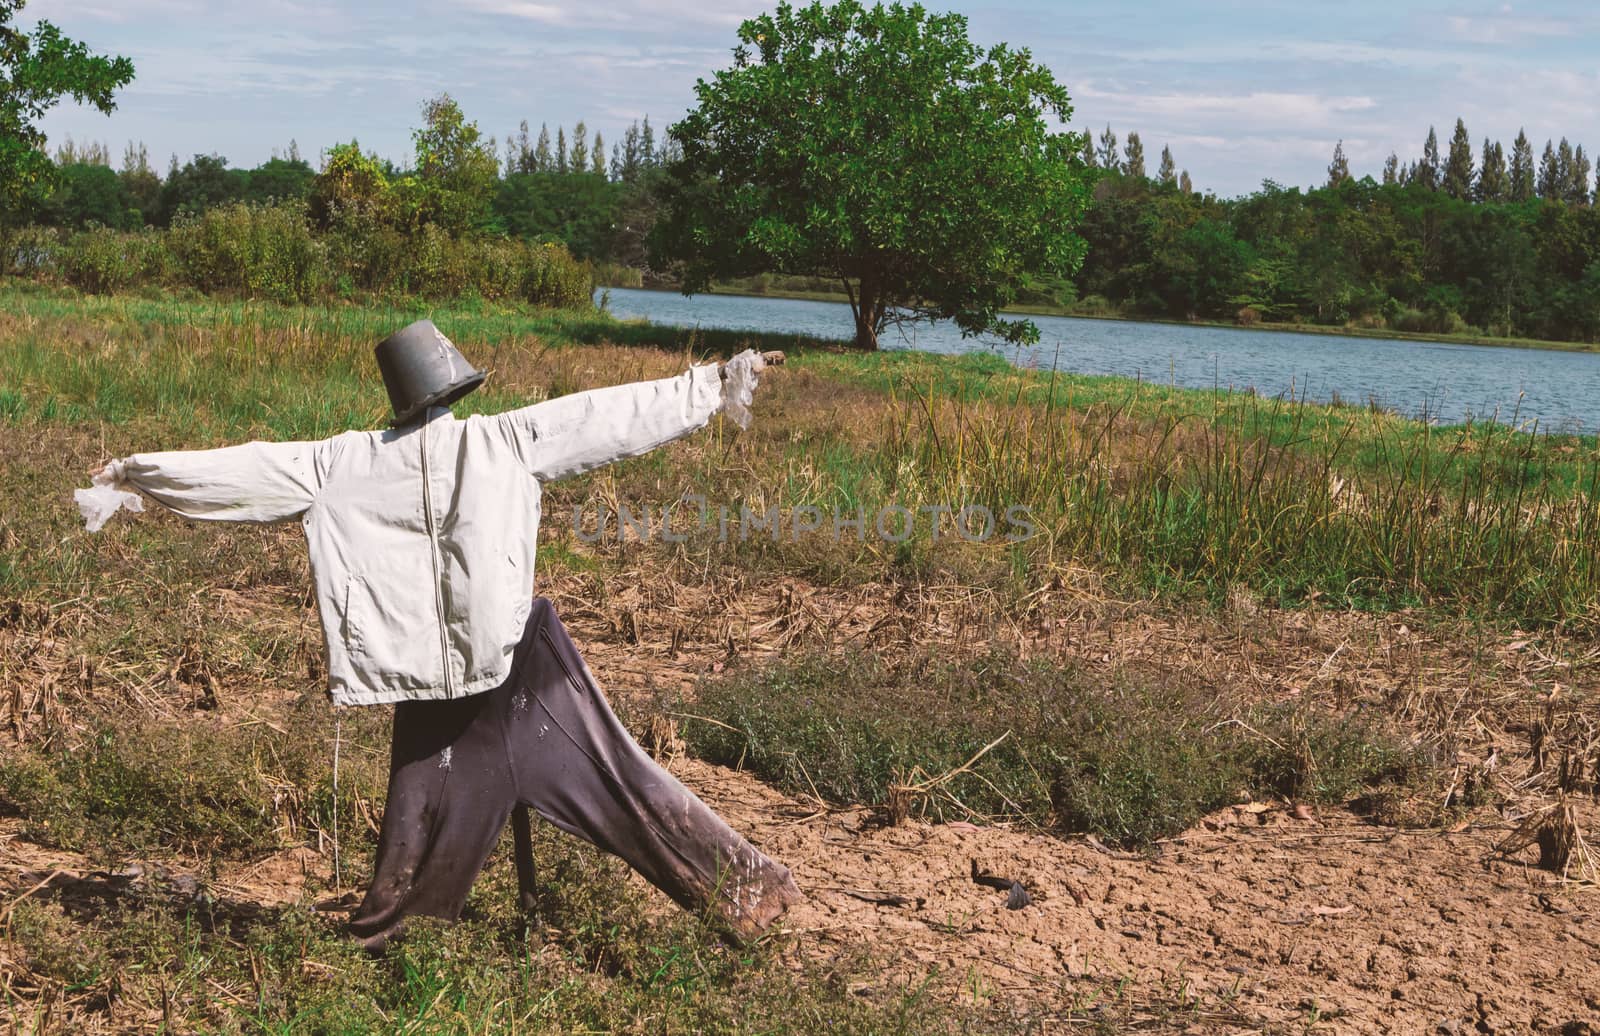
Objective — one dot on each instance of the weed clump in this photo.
(185, 787)
(1131, 758)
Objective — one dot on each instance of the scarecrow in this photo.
(422, 541)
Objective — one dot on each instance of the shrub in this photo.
(1095, 306)
(29, 251)
(271, 252)
(264, 251)
(102, 260)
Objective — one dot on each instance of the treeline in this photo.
(1483, 240)
(1443, 244)
(1563, 172)
(447, 226)
(566, 189)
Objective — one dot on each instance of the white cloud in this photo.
(1300, 110)
(1507, 28)
(640, 15)
(550, 14)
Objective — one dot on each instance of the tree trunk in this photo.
(868, 314)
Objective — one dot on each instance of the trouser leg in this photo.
(574, 763)
(449, 793)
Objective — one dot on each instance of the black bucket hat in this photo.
(422, 368)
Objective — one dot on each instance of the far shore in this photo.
(1293, 328)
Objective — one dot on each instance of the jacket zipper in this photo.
(433, 556)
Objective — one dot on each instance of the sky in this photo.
(1241, 92)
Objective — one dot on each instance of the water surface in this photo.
(1438, 381)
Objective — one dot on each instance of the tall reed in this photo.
(1267, 493)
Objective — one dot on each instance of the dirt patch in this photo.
(1256, 918)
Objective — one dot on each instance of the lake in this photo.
(1433, 380)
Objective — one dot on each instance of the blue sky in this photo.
(1240, 91)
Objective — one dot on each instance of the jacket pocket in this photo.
(386, 637)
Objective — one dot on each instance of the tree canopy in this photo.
(455, 166)
(881, 147)
(36, 71)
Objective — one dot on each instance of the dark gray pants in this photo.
(547, 739)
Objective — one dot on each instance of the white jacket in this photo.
(422, 538)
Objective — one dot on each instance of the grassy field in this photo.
(162, 681)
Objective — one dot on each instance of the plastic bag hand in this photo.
(105, 497)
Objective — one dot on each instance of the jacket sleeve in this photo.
(573, 434)
(255, 482)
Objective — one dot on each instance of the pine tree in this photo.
(1551, 181)
(91, 153)
(1492, 184)
(647, 145)
(1091, 157)
(136, 159)
(542, 161)
(1391, 169)
(523, 150)
(625, 163)
(294, 150)
(1578, 180)
(1339, 168)
(1426, 171)
(598, 165)
(1185, 184)
(1521, 182)
(1458, 171)
(1133, 157)
(580, 148)
(1108, 149)
(561, 149)
(1168, 171)
(1564, 163)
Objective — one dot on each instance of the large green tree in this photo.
(456, 168)
(37, 69)
(881, 147)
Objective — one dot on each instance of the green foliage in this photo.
(271, 252)
(90, 194)
(1355, 253)
(1132, 758)
(279, 180)
(455, 169)
(36, 71)
(259, 251)
(104, 260)
(580, 210)
(351, 189)
(879, 146)
(204, 182)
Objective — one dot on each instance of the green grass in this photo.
(596, 956)
(209, 369)
(1167, 490)
(197, 787)
(1129, 757)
